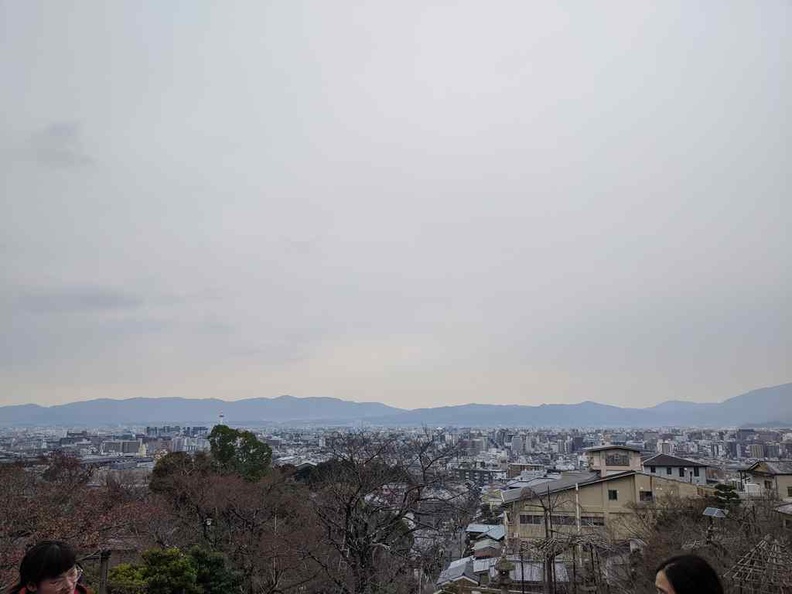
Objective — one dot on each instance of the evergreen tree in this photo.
(239, 452)
(726, 497)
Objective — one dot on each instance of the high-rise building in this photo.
(756, 450)
(517, 445)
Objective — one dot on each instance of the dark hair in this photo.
(690, 574)
(45, 561)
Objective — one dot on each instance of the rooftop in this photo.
(566, 481)
(772, 467)
(531, 571)
(602, 448)
(458, 569)
(667, 460)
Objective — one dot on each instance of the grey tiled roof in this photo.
(612, 447)
(480, 528)
(780, 467)
(457, 570)
(483, 565)
(775, 467)
(532, 571)
(485, 543)
(666, 460)
(532, 482)
(495, 533)
(566, 481)
(785, 508)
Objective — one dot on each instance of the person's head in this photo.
(687, 574)
(49, 567)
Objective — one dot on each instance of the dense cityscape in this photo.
(487, 456)
(515, 492)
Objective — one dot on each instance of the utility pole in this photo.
(104, 562)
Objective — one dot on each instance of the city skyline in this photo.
(416, 205)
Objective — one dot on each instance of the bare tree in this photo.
(53, 500)
(672, 525)
(262, 526)
(378, 500)
(556, 538)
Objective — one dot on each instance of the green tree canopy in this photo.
(127, 578)
(171, 571)
(163, 571)
(239, 452)
(214, 576)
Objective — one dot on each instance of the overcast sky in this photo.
(418, 203)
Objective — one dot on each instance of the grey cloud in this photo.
(60, 145)
(58, 343)
(68, 299)
(79, 300)
(421, 203)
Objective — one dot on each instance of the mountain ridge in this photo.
(754, 407)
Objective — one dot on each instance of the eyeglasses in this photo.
(73, 576)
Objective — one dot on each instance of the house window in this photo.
(768, 485)
(696, 471)
(564, 520)
(789, 491)
(682, 473)
(668, 470)
(647, 496)
(613, 495)
(530, 519)
(617, 459)
(592, 520)
(653, 469)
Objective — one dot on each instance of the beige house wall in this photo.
(783, 486)
(597, 511)
(599, 461)
(779, 483)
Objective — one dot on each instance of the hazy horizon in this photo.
(379, 402)
(410, 204)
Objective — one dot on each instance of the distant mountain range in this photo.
(764, 407)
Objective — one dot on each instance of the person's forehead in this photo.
(662, 583)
